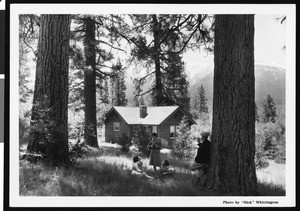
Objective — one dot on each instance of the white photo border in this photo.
(15, 200)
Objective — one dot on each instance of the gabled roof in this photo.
(156, 115)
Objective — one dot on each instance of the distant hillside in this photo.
(268, 80)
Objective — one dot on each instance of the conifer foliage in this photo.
(200, 106)
(183, 146)
(118, 85)
(158, 42)
(269, 110)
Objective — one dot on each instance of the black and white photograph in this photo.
(152, 105)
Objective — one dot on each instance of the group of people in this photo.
(155, 160)
(199, 165)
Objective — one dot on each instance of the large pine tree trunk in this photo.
(90, 127)
(158, 94)
(233, 131)
(50, 103)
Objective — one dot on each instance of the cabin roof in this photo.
(156, 115)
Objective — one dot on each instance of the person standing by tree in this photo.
(201, 161)
(155, 147)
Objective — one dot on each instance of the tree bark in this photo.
(232, 170)
(90, 127)
(49, 120)
(158, 95)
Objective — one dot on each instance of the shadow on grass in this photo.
(99, 178)
(105, 173)
(266, 189)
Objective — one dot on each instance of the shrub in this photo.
(77, 131)
(125, 143)
(260, 157)
(77, 150)
(141, 139)
(270, 142)
(183, 146)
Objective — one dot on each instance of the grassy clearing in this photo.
(98, 177)
(271, 180)
(106, 172)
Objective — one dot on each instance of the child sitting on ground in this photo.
(166, 172)
(136, 168)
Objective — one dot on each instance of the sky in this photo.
(269, 39)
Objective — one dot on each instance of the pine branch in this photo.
(200, 21)
(141, 25)
(145, 92)
(31, 48)
(174, 28)
(116, 48)
(146, 76)
(100, 73)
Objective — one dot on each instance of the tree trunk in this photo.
(49, 120)
(90, 127)
(158, 95)
(232, 169)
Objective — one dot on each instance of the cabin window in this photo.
(154, 129)
(172, 131)
(116, 126)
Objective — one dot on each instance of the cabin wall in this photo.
(163, 130)
(173, 120)
(112, 136)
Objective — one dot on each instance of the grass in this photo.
(271, 180)
(106, 172)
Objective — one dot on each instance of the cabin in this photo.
(163, 120)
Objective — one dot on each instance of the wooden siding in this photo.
(175, 120)
(163, 130)
(111, 135)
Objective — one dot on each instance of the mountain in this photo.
(268, 80)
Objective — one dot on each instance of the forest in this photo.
(74, 68)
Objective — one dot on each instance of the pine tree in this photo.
(200, 106)
(118, 85)
(269, 110)
(94, 32)
(137, 90)
(232, 162)
(49, 119)
(157, 39)
(175, 82)
(90, 126)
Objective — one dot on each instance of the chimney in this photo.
(143, 108)
(143, 111)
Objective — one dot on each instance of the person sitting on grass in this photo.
(165, 170)
(136, 168)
